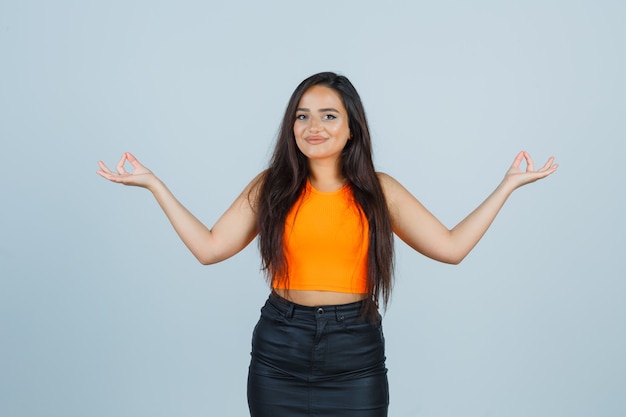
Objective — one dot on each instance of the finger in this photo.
(120, 165)
(105, 172)
(108, 175)
(530, 165)
(549, 164)
(518, 160)
(133, 161)
(548, 169)
(103, 167)
(102, 174)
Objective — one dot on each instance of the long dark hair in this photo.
(286, 176)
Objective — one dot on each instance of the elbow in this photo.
(456, 261)
(453, 258)
(451, 261)
(206, 258)
(443, 254)
(459, 258)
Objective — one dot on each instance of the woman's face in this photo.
(321, 128)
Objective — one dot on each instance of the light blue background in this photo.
(103, 312)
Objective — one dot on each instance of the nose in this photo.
(315, 125)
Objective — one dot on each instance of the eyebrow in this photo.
(320, 110)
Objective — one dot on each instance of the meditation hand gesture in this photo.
(140, 177)
(517, 177)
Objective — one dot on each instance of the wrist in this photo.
(507, 186)
(155, 185)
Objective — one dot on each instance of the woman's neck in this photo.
(326, 177)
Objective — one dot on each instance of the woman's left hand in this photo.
(517, 177)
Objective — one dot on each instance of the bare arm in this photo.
(230, 234)
(415, 225)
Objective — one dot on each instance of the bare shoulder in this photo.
(250, 195)
(392, 189)
(257, 182)
(385, 179)
(390, 185)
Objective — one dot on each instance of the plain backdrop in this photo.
(103, 311)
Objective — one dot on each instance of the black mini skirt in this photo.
(317, 361)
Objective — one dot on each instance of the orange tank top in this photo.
(326, 241)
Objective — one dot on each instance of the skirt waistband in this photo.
(290, 309)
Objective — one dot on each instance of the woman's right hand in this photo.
(233, 231)
(139, 177)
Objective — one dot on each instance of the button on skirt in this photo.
(317, 361)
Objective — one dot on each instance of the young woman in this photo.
(325, 221)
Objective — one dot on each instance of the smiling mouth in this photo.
(315, 140)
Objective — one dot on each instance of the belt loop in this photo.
(289, 312)
(339, 315)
